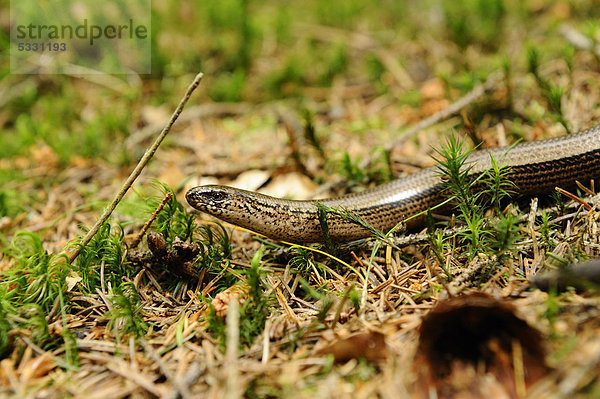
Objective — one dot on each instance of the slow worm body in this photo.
(535, 168)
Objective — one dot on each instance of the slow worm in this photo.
(535, 168)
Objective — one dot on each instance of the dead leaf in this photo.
(291, 185)
(153, 115)
(72, 279)
(172, 175)
(251, 180)
(37, 367)
(45, 157)
(369, 345)
(433, 89)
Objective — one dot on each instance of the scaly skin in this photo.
(535, 168)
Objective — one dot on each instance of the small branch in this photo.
(531, 227)
(192, 114)
(445, 113)
(579, 40)
(160, 207)
(231, 372)
(138, 169)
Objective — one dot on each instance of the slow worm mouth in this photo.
(190, 196)
(204, 195)
(195, 197)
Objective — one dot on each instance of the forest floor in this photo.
(303, 102)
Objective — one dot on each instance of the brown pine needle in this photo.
(575, 198)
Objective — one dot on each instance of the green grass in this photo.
(36, 283)
(38, 276)
(253, 309)
(551, 92)
(126, 318)
(106, 250)
(10, 203)
(230, 44)
(473, 195)
(354, 173)
(29, 290)
(478, 22)
(173, 221)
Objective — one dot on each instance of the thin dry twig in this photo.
(233, 385)
(531, 227)
(145, 228)
(193, 113)
(138, 169)
(464, 278)
(577, 39)
(177, 386)
(445, 113)
(575, 198)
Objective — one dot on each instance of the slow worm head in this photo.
(290, 220)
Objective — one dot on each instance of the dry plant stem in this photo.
(123, 369)
(138, 169)
(588, 191)
(160, 207)
(518, 369)
(56, 359)
(450, 110)
(191, 376)
(575, 198)
(579, 40)
(266, 341)
(192, 114)
(102, 286)
(467, 273)
(531, 227)
(232, 382)
(177, 386)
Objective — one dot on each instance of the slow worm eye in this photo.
(217, 196)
